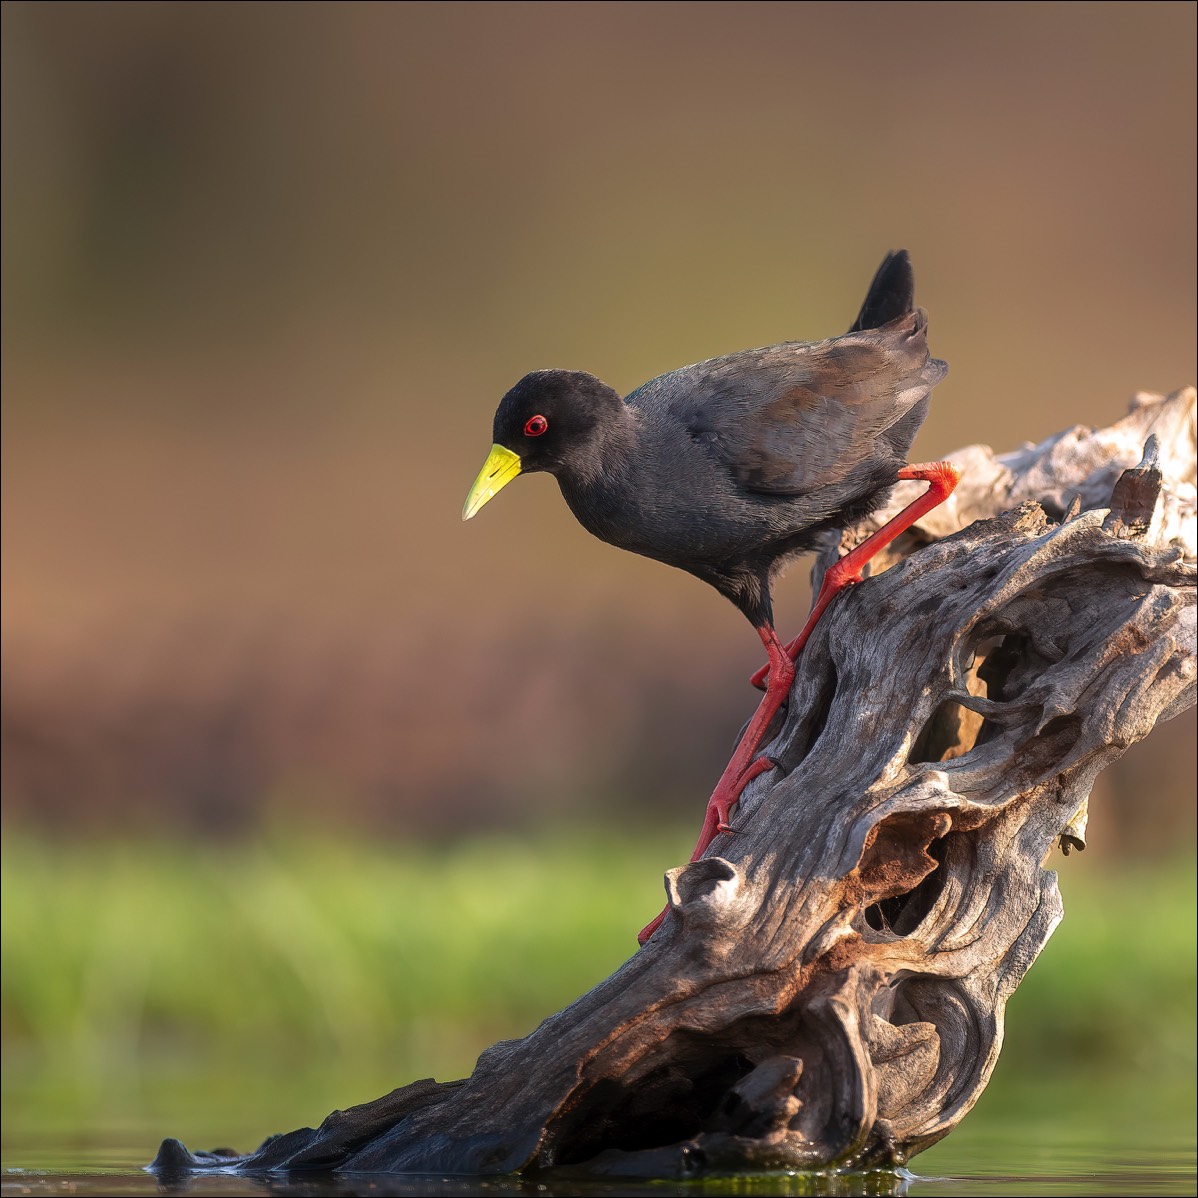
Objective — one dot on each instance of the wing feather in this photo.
(790, 419)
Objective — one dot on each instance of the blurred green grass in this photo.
(333, 944)
(215, 984)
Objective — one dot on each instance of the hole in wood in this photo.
(1010, 667)
(953, 729)
(901, 914)
(662, 1106)
(952, 732)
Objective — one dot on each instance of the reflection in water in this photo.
(1035, 1138)
(1138, 1172)
(545, 1185)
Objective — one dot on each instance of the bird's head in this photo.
(550, 420)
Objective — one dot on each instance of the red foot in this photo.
(643, 935)
(745, 764)
(943, 478)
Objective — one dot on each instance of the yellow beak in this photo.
(498, 470)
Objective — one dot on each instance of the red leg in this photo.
(745, 764)
(943, 478)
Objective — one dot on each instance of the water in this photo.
(1005, 1161)
(116, 1172)
(1045, 1128)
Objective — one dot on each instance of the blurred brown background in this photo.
(268, 268)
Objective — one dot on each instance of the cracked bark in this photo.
(829, 988)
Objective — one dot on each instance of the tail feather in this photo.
(891, 294)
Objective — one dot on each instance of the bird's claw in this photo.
(722, 813)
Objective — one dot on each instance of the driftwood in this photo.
(829, 988)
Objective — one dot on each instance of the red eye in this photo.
(536, 426)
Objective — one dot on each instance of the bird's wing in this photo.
(793, 418)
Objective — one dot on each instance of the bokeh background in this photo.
(302, 776)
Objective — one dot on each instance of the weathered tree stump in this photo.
(829, 988)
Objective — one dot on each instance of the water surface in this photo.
(1077, 1122)
(1026, 1139)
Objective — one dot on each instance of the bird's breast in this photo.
(683, 521)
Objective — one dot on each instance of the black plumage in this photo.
(732, 466)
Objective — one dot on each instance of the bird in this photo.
(732, 467)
